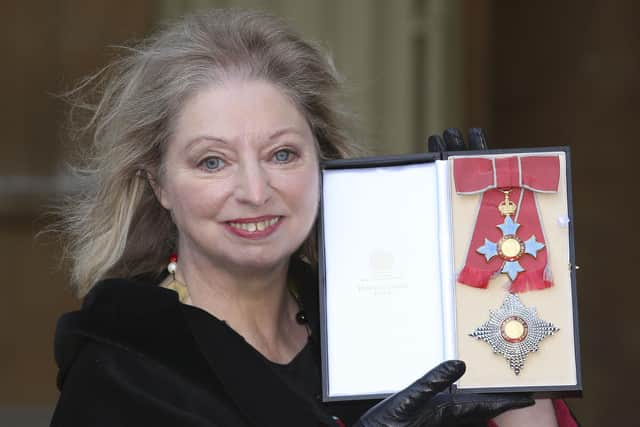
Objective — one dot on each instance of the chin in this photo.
(261, 262)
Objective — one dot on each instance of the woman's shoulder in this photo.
(117, 311)
(140, 295)
(126, 317)
(108, 385)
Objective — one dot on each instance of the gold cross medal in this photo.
(510, 248)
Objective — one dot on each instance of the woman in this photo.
(205, 143)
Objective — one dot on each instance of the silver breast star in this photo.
(514, 331)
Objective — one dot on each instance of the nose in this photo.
(253, 184)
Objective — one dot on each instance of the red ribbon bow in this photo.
(524, 175)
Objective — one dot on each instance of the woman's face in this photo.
(241, 176)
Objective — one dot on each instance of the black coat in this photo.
(135, 356)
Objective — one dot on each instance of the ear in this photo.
(158, 190)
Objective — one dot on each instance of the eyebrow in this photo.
(201, 138)
(276, 134)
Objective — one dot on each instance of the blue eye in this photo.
(283, 156)
(212, 163)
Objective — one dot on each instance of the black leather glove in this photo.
(426, 404)
(452, 140)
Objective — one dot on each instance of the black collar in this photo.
(146, 318)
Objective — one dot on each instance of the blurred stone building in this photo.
(531, 73)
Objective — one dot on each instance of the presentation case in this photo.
(458, 255)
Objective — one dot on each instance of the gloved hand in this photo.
(452, 140)
(426, 404)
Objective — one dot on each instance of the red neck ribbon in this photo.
(524, 175)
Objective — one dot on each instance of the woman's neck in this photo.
(256, 304)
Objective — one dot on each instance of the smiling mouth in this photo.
(254, 226)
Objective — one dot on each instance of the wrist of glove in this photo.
(426, 403)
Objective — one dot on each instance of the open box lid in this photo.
(394, 233)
